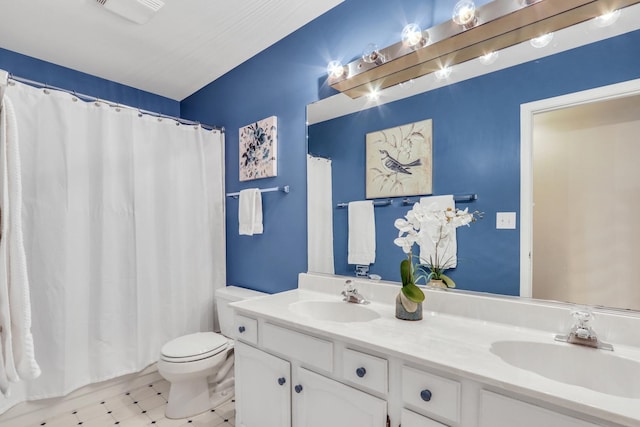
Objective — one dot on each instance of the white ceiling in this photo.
(185, 46)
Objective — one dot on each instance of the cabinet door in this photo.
(411, 419)
(501, 411)
(321, 402)
(263, 388)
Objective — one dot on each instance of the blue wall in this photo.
(469, 154)
(66, 78)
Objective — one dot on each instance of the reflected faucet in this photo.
(351, 294)
(582, 333)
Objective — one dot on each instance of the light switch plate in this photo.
(506, 220)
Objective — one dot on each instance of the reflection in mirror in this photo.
(476, 143)
(586, 189)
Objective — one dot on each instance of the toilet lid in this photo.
(196, 344)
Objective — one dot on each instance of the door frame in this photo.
(527, 111)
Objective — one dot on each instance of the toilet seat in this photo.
(193, 347)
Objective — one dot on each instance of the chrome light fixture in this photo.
(413, 37)
(464, 13)
(607, 19)
(489, 58)
(371, 55)
(335, 69)
(470, 34)
(541, 41)
(443, 73)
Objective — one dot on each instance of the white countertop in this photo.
(454, 344)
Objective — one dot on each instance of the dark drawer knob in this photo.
(425, 395)
(361, 372)
(282, 380)
(241, 329)
(298, 388)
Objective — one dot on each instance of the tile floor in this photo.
(140, 407)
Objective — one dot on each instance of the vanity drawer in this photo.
(411, 419)
(365, 370)
(246, 329)
(310, 351)
(497, 410)
(431, 394)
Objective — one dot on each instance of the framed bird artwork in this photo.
(399, 161)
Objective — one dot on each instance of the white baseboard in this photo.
(32, 413)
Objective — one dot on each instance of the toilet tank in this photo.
(226, 295)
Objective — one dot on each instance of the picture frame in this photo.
(258, 149)
(399, 161)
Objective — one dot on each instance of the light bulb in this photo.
(335, 69)
(412, 36)
(464, 13)
(443, 73)
(541, 41)
(371, 54)
(489, 58)
(607, 19)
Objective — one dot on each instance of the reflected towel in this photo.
(448, 247)
(362, 233)
(250, 212)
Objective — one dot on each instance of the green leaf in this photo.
(406, 273)
(448, 281)
(413, 292)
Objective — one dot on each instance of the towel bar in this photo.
(284, 189)
(376, 203)
(459, 198)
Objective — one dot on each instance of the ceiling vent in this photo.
(138, 11)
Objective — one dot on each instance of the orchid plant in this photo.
(426, 223)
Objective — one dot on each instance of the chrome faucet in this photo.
(351, 294)
(582, 333)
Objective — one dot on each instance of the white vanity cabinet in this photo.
(276, 386)
(322, 402)
(497, 410)
(294, 372)
(411, 419)
(263, 388)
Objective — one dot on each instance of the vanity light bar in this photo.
(499, 24)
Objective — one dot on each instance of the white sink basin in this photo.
(598, 370)
(336, 311)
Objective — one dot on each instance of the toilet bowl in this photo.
(189, 362)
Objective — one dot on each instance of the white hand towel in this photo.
(250, 212)
(362, 233)
(448, 247)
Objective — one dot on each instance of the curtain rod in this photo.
(113, 104)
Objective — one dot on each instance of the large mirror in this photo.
(477, 136)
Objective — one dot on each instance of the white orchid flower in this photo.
(403, 225)
(405, 243)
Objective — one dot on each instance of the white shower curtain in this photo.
(124, 235)
(319, 215)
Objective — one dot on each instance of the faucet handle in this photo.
(348, 286)
(583, 316)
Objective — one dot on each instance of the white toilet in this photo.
(189, 362)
